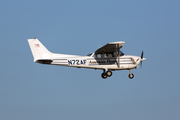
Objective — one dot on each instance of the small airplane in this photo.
(107, 58)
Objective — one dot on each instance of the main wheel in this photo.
(131, 76)
(109, 73)
(104, 75)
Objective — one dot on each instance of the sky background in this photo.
(31, 91)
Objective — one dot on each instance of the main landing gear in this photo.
(108, 73)
(104, 75)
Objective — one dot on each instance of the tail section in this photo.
(40, 53)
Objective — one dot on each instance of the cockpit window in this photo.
(121, 53)
(108, 55)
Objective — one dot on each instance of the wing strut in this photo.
(118, 56)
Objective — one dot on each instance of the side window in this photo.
(114, 54)
(97, 55)
(105, 56)
(110, 55)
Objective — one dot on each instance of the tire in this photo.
(109, 73)
(131, 76)
(104, 75)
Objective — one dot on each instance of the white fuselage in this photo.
(107, 58)
(126, 62)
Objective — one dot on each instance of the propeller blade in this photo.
(142, 55)
(141, 59)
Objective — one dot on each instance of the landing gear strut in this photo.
(131, 76)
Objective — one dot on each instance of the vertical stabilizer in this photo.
(39, 51)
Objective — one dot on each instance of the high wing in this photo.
(110, 47)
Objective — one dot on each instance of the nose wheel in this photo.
(131, 76)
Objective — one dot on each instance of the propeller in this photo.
(141, 58)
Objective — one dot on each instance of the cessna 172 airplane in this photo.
(107, 58)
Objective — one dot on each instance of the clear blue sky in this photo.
(31, 91)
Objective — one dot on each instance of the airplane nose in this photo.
(143, 59)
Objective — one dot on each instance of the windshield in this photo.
(121, 53)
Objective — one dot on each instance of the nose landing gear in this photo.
(131, 76)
